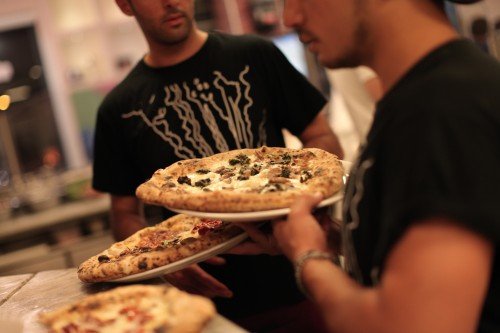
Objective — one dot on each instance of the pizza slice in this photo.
(135, 308)
(179, 237)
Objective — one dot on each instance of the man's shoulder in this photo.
(464, 83)
(462, 80)
(243, 42)
(127, 86)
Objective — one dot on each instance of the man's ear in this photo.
(125, 7)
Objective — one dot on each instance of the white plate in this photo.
(254, 216)
(183, 263)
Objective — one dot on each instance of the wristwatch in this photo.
(303, 258)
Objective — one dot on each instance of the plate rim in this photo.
(180, 264)
(254, 216)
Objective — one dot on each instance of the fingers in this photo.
(216, 261)
(305, 204)
(215, 286)
(263, 243)
(196, 281)
(250, 228)
(253, 232)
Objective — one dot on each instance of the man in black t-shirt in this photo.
(193, 95)
(421, 232)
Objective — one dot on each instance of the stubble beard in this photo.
(357, 54)
(173, 37)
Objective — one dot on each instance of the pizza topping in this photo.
(318, 172)
(245, 173)
(305, 176)
(188, 240)
(142, 264)
(154, 239)
(223, 170)
(184, 180)
(203, 171)
(171, 242)
(276, 187)
(274, 172)
(243, 177)
(279, 180)
(240, 159)
(286, 158)
(103, 258)
(255, 169)
(135, 314)
(285, 172)
(161, 329)
(207, 225)
(202, 182)
(168, 184)
(70, 328)
(227, 175)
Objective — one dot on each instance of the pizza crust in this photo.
(144, 308)
(164, 189)
(130, 256)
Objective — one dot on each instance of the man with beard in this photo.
(195, 94)
(421, 230)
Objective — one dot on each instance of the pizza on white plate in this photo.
(176, 238)
(244, 180)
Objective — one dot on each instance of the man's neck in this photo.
(161, 55)
(394, 54)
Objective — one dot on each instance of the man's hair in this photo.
(439, 4)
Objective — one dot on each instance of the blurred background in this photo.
(58, 58)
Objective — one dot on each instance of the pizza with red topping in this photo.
(244, 180)
(179, 237)
(136, 308)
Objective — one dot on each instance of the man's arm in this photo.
(125, 216)
(319, 134)
(435, 278)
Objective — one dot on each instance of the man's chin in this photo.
(174, 39)
(338, 63)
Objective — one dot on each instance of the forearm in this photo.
(415, 293)
(125, 224)
(345, 305)
(125, 215)
(328, 142)
(319, 134)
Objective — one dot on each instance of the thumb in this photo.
(305, 204)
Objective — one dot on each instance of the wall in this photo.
(24, 12)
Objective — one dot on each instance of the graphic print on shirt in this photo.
(353, 195)
(224, 102)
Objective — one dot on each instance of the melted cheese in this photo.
(146, 313)
(217, 183)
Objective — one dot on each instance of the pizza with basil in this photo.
(244, 180)
(176, 238)
(135, 308)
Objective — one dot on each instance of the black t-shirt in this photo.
(236, 92)
(433, 151)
